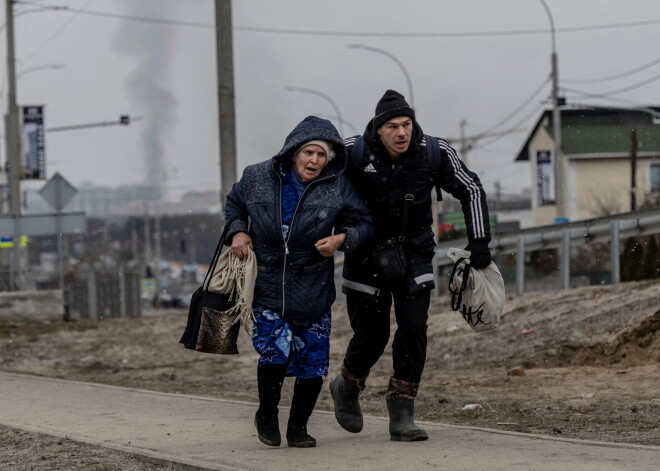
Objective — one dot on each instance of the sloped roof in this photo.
(606, 130)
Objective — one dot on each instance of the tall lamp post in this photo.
(411, 98)
(559, 161)
(312, 91)
(37, 68)
(350, 125)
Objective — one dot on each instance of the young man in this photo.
(395, 177)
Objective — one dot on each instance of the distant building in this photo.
(597, 145)
(126, 200)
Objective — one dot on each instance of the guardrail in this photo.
(562, 236)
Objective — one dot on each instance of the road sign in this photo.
(57, 192)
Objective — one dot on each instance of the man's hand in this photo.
(479, 255)
(329, 245)
(240, 243)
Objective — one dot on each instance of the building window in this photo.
(655, 178)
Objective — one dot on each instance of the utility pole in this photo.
(464, 144)
(226, 111)
(559, 161)
(633, 170)
(157, 272)
(12, 137)
(561, 186)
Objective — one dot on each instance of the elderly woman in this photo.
(295, 210)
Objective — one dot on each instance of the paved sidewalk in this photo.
(199, 433)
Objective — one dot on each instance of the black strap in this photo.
(214, 260)
(433, 154)
(357, 150)
(408, 197)
(457, 295)
(432, 151)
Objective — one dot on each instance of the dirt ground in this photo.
(582, 363)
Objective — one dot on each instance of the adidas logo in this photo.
(369, 168)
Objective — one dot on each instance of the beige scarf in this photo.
(236, 278)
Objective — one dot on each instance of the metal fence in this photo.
(105, 294)
(87, 295)
(608, 229)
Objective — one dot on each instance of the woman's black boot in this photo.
(269, 379)
(305, 393)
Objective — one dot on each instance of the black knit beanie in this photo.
(391, 105)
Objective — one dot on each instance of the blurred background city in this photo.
(127, 122)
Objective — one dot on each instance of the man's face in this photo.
(395, 135)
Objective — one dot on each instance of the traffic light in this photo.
(124, 120)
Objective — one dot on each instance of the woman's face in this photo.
(309, 161)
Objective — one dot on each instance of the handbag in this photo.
(477, 294)
(209, 329)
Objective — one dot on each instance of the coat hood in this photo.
(310, 128)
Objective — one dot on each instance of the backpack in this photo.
(432, 154)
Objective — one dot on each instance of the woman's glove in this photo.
(479, 255)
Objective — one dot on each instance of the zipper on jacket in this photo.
(286, 239)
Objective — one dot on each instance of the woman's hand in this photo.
(240, 243)
(329, 245)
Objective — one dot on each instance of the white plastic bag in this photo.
(477, 294)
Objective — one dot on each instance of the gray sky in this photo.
(459, 69)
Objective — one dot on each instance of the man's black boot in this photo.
(305, 393)
(401, 406)
(269, 379)
(345, 390)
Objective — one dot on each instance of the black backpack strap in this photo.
(408, 198)
(432, 151)
(356, 151)
(433, 155)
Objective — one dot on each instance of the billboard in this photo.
(33, 143)
(545, 178)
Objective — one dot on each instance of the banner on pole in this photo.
(545, 177)
(34, 148)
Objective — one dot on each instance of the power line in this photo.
(518, 109)
(144, 19)
(515, 127)
(54, 35)
(389, 34)
(614, 77)
(655, 78)
(446, 34)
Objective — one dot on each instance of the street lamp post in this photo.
(559, 162)
(411, 98)
(38, 67)
(312, 91)
(350, 125)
